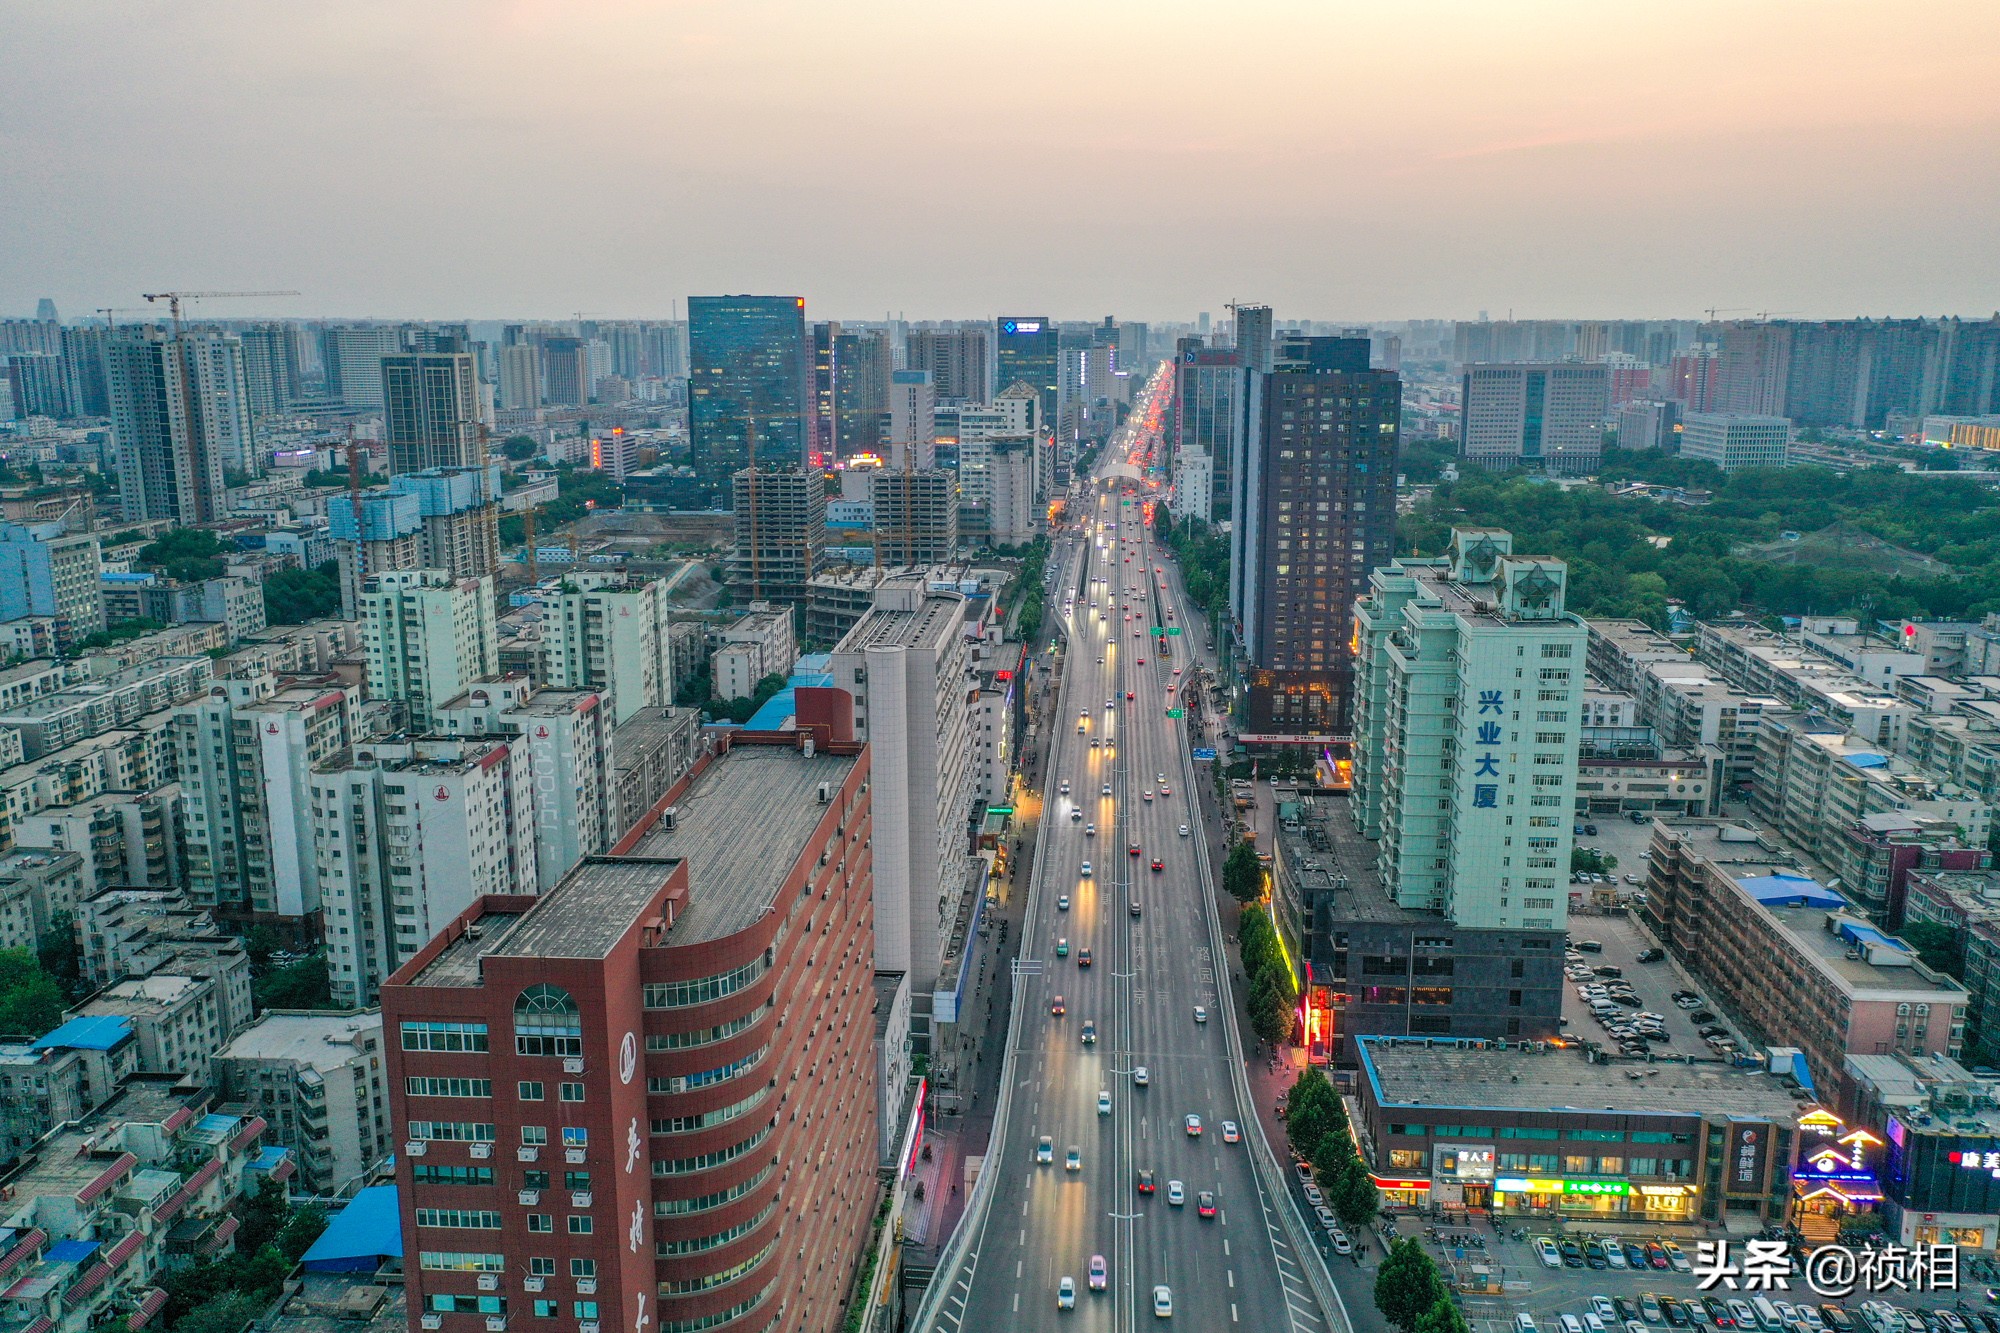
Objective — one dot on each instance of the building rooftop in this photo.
(588, 911)
(321, 1040)
(739, 826)
(1413, 1071)
(1334, 867)
(930, 624)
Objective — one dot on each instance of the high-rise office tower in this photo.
(780, 521)
(1315, 511)
(566, 379)
(823, 394)
(606, 632)
(750, 364)
(1547, 417)
(48, 571)
(245, 753)
(520, 377)
(352, 357)
(430, 412)
(912, 419)
(956, 359)
(1210, 398)
(913, 658)
(271, 366)
(1027, 350)
(1135, 353)
(1471, 679)
(916, 515)
(83, 354)
(431, 421)
(684, 1076)
(180, 413)
(864, 362)
(427, 636)
(1253, 337)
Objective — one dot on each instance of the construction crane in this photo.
(109, 310)
(1715, 310)
(174, 299)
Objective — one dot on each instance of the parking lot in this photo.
(1623, 939)
(1547, 1294)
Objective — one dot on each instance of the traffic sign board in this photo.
(1173, 629)
(1200, 754)
(1157, 631)
(1174, 712)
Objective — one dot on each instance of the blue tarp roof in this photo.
(361, 1235)
(1791, 891)
(1800, 1071)
(1855, 933)
(1868, 760)
(71, 1251)
(777, 710)
(87, 1032)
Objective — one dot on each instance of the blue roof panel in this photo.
(1791, 891)
(361, 1235)
(87, 1032)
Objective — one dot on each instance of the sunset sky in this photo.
(1402, 159)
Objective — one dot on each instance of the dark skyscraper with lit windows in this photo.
(1315, 513)
(749, 359)
(1029, 348)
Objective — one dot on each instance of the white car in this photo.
(1090, 830)
(1086, 870)
(1066, 1294)
(1065, 787)
(1100, 1275)
(1045, 1150)
(1104, 1103)
(1184, 830)
(1176, 1193)
(1142, 1076)
(1107, 790)
(1230, 1133)
(1341, 1244)
(1163, 1302)
(1200, 1014)
(1062, 903)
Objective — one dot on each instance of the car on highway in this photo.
(1103, 1103)
(1193, 1124)
(1147, 795)
(1083, 957)
(1142, 1076)
(1165, 790)
(1145, 1180)
(1163, 1302)
(1065, 787)
(1176, 1193)
(1045, 1150)
(1184, 830)
(1066, 1294)
(1200, 1014)
(1073, 1159)
(1135, 849)
(1135, 907)
(1204, 1203)
(1089, 1035)
(1106, 790)
(1056, 1007)
(1100, 1276)
(1090, 830)
(1129, 695)
(1230, 1134)
(1062, 903)
(1084, 870)
(1062, 946)
(1158, 865)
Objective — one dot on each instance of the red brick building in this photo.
(644, 1101)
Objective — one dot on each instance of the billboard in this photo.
(1747, 1143)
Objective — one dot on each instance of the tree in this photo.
(303, 985)
(187, 554)
(1407, 1285)
(230, 1312)
(60, 955)
(1270, 1007)
(1444, 1316)
(520, 448)
(31, 1003)
(1936, 944)
(294, 596)
(1243, 873)
(1353, 1194)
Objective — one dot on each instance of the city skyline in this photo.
(1570, 164)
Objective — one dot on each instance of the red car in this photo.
(1145, 1181)
(1142, 661)
(1204, 1203)
(1135, 849)
(1158, 865)
(1083, 957)
(1129, 696)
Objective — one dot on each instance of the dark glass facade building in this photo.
(749, 357)
(1315, 511)
(1028, 348)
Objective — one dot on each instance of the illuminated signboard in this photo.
(1021, 326)
(1521, 1185)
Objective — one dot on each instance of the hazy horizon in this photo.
(1339, 162)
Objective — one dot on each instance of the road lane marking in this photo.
(1231, 1274)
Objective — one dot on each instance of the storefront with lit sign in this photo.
(1836, 1176)
(1939, 1183)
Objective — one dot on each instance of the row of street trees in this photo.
(1316, 1123)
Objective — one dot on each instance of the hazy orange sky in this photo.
(1407, 158)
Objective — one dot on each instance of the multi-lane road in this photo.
(1154, 963)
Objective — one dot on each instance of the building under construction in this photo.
(916, 516)
(780, 534)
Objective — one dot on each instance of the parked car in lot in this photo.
(1546, 1248)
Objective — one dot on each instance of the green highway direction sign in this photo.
(1174, 712)
(1157, 631)
(1174, 630)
